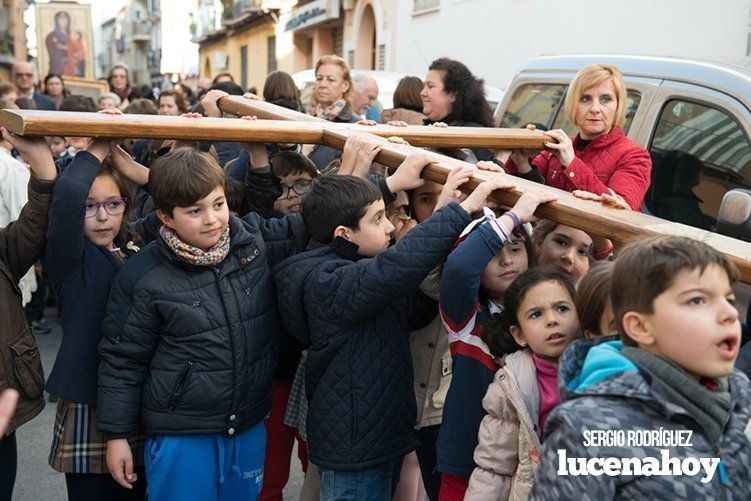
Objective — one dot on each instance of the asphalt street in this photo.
(35, 479)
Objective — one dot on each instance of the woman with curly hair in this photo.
(454, 96)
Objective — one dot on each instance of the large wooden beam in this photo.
(66, 123)
(63, 123)
(618, 225)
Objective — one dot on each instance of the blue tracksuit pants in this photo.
(205, 467)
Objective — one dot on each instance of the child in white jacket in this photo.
(539, 322)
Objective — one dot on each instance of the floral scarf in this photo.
(194, 255)
(331, 112)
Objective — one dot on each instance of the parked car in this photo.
(693, 116)
(387, 82)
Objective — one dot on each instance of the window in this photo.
(272, 63)
(244, 67)
(698, 153)
(381, 57)
(338, 41)
(534, 104)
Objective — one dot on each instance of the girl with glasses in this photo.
(88, 242)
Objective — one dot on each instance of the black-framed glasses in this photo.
(300, 187)
(113, 206)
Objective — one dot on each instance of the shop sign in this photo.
(311, 14)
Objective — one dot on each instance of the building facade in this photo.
(258, 37)
(244, 44)
(12, 35)
(494, 37)
(126, 39)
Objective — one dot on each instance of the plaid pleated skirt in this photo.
(77, 446)
(296, 414)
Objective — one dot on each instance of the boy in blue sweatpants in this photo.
(189, 340)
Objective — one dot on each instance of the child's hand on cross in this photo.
(450, 192)
(407, 176)
(477, 199)
(359, 152)
(209, 103)
(259, 157)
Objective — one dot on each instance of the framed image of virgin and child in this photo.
(64, 41)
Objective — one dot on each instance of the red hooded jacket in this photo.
(610, 161)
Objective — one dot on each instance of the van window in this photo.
(633, 99)
(698, 153)
(533, 104)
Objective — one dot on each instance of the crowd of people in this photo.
(224, 302)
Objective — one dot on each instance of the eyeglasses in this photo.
(25, 75)
(113, 206)
(300, 187)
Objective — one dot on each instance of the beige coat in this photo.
(403, 115)
(509, 446)
(431, 359)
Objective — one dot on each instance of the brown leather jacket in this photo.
(21, 245)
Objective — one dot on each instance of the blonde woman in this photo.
(600, 163)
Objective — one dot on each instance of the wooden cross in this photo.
(286, 126)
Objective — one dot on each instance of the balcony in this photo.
(7, 49)
(141, 31)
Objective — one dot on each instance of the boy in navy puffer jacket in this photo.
(358, 299)
(190, 336)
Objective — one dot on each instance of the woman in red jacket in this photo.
(600, 160)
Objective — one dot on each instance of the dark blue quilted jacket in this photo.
(357, 313)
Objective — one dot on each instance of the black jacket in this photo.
(44, 102)
(357, 313)
(192, 349)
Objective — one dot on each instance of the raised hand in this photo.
(489, 166)
(36, 151)
(527, 204)
(209, 103)
(407, 176)
(477, 199)
(611, 199)
(450, 192)
(562, 147)
(359, 152)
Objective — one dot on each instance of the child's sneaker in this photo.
(39, 327)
